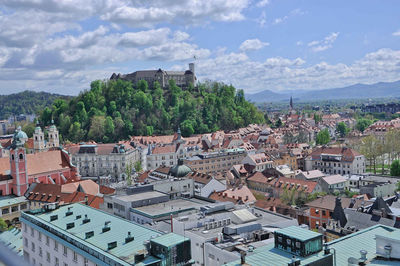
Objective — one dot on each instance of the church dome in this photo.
(180, 170)
(20, 134)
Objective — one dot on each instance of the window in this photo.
(26, 241)
(14, 208)
(33, 247)
(85, 262)
(21, 156)
(55, 245)
(25, 228)
(40, 236)
(57, 263)
(323, 213)
(75, 257)
(32, 232)
(65, 251)
(40, 251)
(109, 205)
(48, 256)
(33, 261)
(5, 211)
(297, 244)
(65, 264)
(23, 206)
(316, 211)
(47, 240)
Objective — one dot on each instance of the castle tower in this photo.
(53, 140)
(18, 164)
(38, 139)
(191, 67)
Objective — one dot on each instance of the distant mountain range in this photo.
(357, 91)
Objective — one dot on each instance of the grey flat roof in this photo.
(140, 196)
(164, 208)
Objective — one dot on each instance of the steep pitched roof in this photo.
(236, 195)
(43, 162)
(200, 177)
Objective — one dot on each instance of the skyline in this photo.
(61, 46)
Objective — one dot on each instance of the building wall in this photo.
(156, 160)
(114, 164)
(43, 248)
(318, 217)
(223, 162)
(384, 190)
(215, 256)
(341, 168)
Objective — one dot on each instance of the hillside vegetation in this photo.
(114, 110)
(26, 102)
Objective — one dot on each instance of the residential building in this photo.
(383, 189)
(80, 235)
(4, 127)
(219, 161)
(86, 191)
(239, 195)
(332, 183)
(11, 208)
(312, 175)
(285, 171)
(205, 184)
(181, 78)
(257, 162)
(335, 160)
(111, 159)
(276, 186)
(321, 209)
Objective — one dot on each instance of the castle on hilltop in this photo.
(182, 78)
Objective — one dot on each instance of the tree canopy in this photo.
(113, 110)
(323, 137)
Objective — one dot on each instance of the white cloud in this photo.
(279, 73)
(152, 12)
(252, 45)
(262, 3)
(324, 44)
(396, 33)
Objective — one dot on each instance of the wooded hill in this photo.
(116, 109)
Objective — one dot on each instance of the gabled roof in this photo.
(200, 177)
(328, 202)
(334, 179)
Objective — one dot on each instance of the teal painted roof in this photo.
(13, 240)
(169, 240)
(8, 201)
(348, 246)
(99, 241)
(298, 233)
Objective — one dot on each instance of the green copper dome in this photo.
(180, 170)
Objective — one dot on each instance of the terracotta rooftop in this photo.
(200, 177)
(347, 153)
(236, 195)
(164, 149)
(43, 162)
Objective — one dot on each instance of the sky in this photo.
(60, 46)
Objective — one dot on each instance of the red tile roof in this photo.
(236, 195)
(347, 153)
(199, 177)
(43, 162)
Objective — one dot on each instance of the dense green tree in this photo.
(187, 128)
(395, 168)
(342, 129)
(323, 137)
(3, 225)
(75, 132)
(29, 128)
(363, 123)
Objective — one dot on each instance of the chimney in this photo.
(242, 258)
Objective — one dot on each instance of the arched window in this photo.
(36, 138)
(12, 157)
(21, 156)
